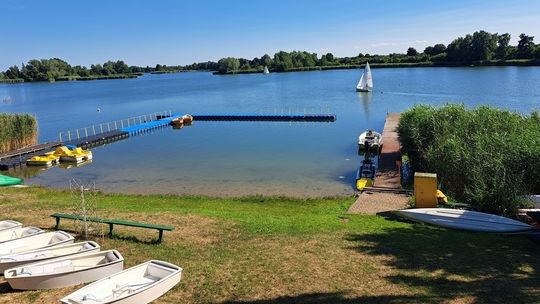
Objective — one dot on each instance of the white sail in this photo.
(366, 81)
(266, 70)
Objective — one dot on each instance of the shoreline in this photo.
(517, 63)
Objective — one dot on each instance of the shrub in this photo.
(17, 131)
(485, 157)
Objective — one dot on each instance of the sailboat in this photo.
(366, 82)
(266, 71)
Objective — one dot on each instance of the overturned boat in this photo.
(139, 284)
(65, 271)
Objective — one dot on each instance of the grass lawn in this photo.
(262, 250)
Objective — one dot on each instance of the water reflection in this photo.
(365, 99)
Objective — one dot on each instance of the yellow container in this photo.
(425, 190)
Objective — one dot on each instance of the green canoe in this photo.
(9, 181)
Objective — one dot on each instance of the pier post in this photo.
(115, 126)
(69, 135)
(101, 127)
(94, 129)
(77, 133)
(85, 132)
(108, 127)
(60, 136)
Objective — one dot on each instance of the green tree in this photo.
(13, 72)
(483, 46)
(282, 61)
(266, 60)
(412, 52)
(228, 64)
(525, 47)
(330, 57)
(502, 46)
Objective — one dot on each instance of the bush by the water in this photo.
(484, 156)
(17, 131)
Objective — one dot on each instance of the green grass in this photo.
(269, 250)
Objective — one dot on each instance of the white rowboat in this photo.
(465, 220)
(139, 284)
(9, 224)
(34, 256)
(17, 233)
(65, 271)
(42, 240)
(370, 138)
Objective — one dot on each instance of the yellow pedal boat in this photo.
(365, 175)
(48, 159)
(76, 155)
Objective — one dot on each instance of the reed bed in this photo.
(17, 131)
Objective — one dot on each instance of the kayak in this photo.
(9, 181)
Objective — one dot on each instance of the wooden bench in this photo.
(161, 228)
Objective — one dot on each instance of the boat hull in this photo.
(145, 295)
(465, 220)
(18, 279)
(9, 225)
(363, 90)
(8, 265)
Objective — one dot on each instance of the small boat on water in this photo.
(365, 175)
(187, 119)
(42, 240)
(48, 159)
(65, 271)
(266, 71)
(139, 284)
(76, 155)
(33, 256)
(465, 220)
(17, 233)
(365, 84)
(179, 121)
(9, 181)
(9, 225)
(369, 140)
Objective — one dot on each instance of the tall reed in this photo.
(17, 131)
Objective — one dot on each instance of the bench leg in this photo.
(160, 236)
(57, 223)
(110, 229)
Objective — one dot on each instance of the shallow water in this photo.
(238, 158)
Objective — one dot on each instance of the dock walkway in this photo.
(386, 193)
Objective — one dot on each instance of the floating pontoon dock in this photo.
(105, 133)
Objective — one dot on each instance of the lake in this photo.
(240, 158)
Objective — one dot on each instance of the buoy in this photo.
(98, 109)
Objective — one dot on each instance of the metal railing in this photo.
(111, 126)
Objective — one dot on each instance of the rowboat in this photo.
(369, 140)
(139, 284)
(33, 256)
(65, 271)
(42, 240)
(187, 119)
(9, 224)
(17, 233)
(465, 220)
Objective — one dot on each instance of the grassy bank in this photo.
(277, 250)
(17, 131)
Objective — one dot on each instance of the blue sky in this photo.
(185, 31)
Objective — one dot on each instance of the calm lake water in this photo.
(238, 158)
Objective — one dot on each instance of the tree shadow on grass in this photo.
(450, 265)
(332, 298)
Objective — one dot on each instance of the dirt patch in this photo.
(377, 202)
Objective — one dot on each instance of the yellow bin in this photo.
(425, 190)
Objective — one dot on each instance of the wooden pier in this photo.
(15, 158)
(98, 139)
(386, 193)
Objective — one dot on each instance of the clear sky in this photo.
(185, 31)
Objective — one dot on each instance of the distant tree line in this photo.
(478, 48)
(58, 69)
